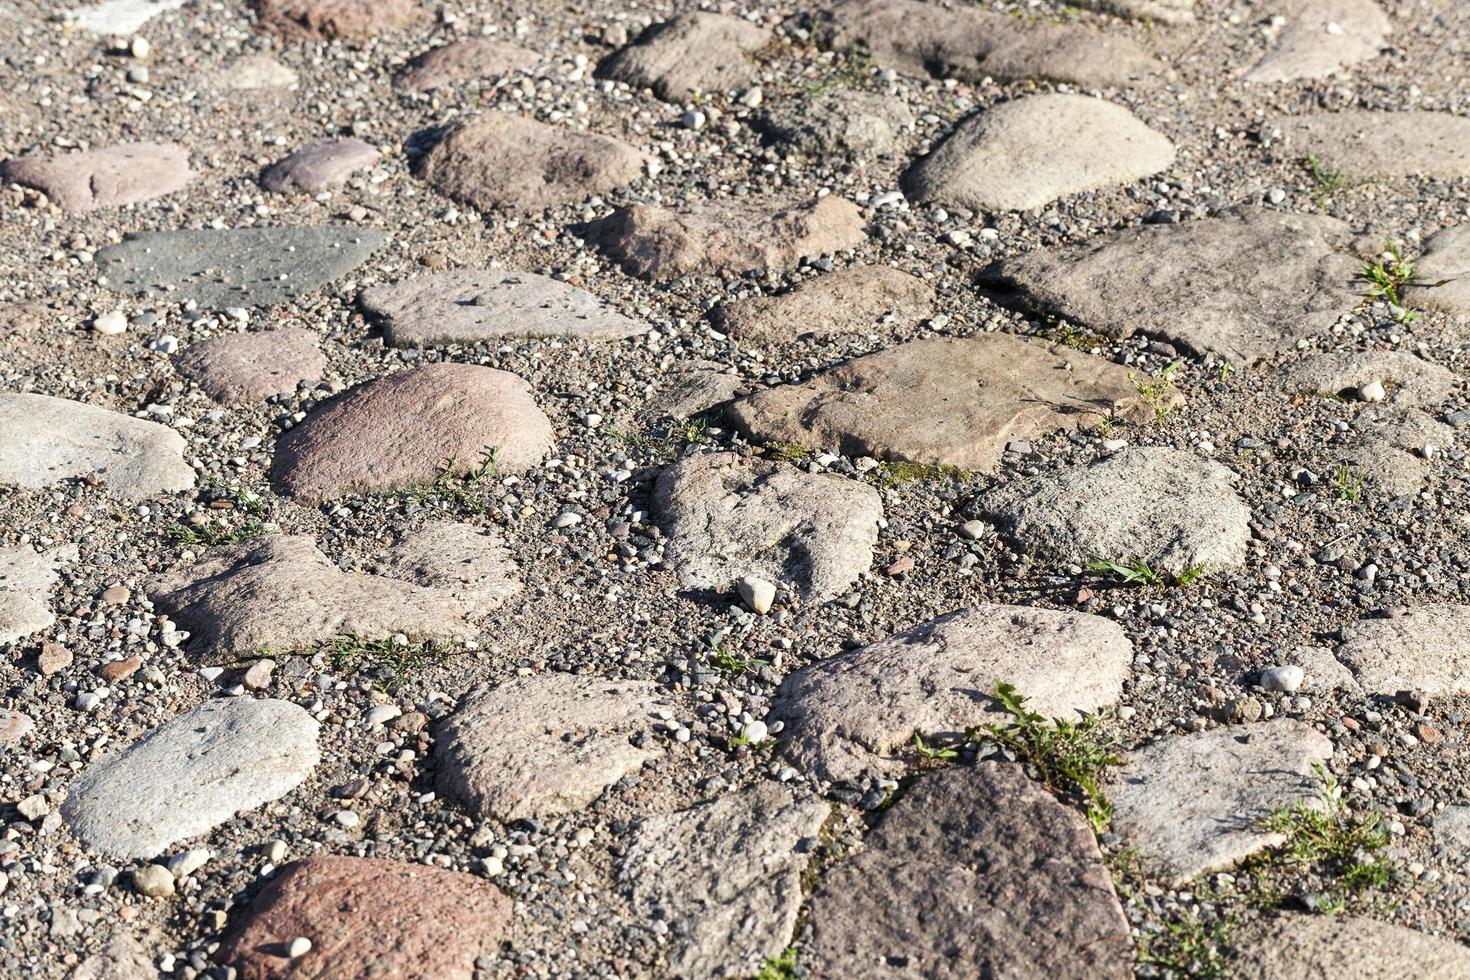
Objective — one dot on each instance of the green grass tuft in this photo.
(386, 659)
(1338, 844)
(1386, 279)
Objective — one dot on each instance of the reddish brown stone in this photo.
(333, 19)
(117, 670)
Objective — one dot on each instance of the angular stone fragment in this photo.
(111, 177)
(1444, 271)
(472, 566)
(852, 713)
(1320, 38)
(319, 165)
(728, 517)
(689, 53)
(1370, 143)
(1163, 11)
(242, 368)
(727, 236)
(1408, 380)
(976, 871)
(14, 726)
(365, 917)
(1345, 947)
(462, 61)
(26, 580)
(945, 401)
(45, 440)
(1424, 649)
(332, 20)
(469, 305)
(404, 429)
(857, 300)
(191, 774)
(856, 124)
(497, 160)
(1194, 803)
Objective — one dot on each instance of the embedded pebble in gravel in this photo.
(858, 124)
(255, 73)
(692, 388)
(1444, 273)
(1362, 143)
(26, 580)
(1424, 649)
(1293, 945)
(111, 177)
(1320, 38)
(690, 53)
(319, 165)
(466, 60)
(241, 368)
(1391, 451)
(857, 300)
(335, 19)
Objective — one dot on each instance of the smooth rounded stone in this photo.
(1370, 143)
(848, 714)
(1385, 449)
(1425, 649)
(254, 73)
(1444, 271)
(14, 726)
(191, 774)
(467, 306)
(111, 177)
(471, 565)
(1322, 37)
(545, 744)
(922, 38)
(757, 594)
(853, 123)
(45, 440)
(278, 594)
(366, 917)
(945, 401)
(26, 580)
(1292, 946)
(976, 871)
(726, 517)
(244, 368)
(467, 60)
(1032, 151)
(222, 268)
(405, 429)
(119, 18)
(319, 165)
(689, 53)
(1194, 803)
(329, 20)
(1169, 507)
(1286, 679)
(1163, 11)
(122, 957)
(728, 236)
(1408, 379)
(858, 300)
(497, 160)
(690, 388)
(153, 881)
(726, 877)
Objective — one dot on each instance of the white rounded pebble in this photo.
(754, 732)
(347, 819)
(110, 324)
(1285, 679)
(1373, 391)
(757, 594)
(298, 947)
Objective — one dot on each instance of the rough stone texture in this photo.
(848, 714)
(120, 17)
(1343, 947)
(26, 580)
(278, 594)
(462, 61)
(545, 744)
(1324, 671)
(497, 160)
(976, 871)
(728, 236)
(467, 306)
(14, 726)
(922, 38)
(1452, 831)
(727, 517)
(1242, 285)
(122, 957)
(693, 52)
(692, 387)
(111, 177)
(234, 266)
(1426, 648)
(1408, 380)
(45, 440)
(405, 429)
(1164, 11)
(242, 368)
(1193, 803)
(946, 401)
(1320, 38)
(1445, 270)
(854, 123)
(472, 566)
(326, 20)
(365, 917)
(726, 877)
(256, 72)
(1385, 449)
(1368, 143)
(319, 165)
(859, 300)
(191, 774)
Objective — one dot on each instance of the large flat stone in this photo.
(111, 177)
(1320, 38)
(319, 165)
(242, 368)
(1444, 271)
(1407, 379)
(689, 53)
(120, 17)
(1163, 11)
(1388, 449)
(860, 300)
(1370, 143)
(331, 20)
(26, 580)
(851, 122)
(465, 60)
(1424, 649)
(469, 564)
(122, 957)
(1292, 946)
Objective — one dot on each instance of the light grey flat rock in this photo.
(1370, 143)
(1444, 270)
(26, 580)
(1425, 649)
(1293, 946)
(1320, 38)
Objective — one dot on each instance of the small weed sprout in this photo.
(1386, 279)
(215, 533)
(781, 967)
(1156, 391)
(731, 664)
(1327, 182)
(1347, 482)
(1137, 572)
(933, 753)
(897, 473)
(1330, 838)
(352, 654)
(459, 492)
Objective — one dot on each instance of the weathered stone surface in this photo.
(727, 517)
(692, 387)
(120, 17)
(319, 165)
(14, 726)
(1194, 803)
(728, 236)
(862, 299)
(191, 774)
(234, 266)
(1424, 649)
(726, 877)
(122, 957)
(1169, 507)
(1369, 143)
(497, 160)
(26, 580)
(328, 20)
(851, 713)
(111, 177)
(1242, 285)
(1320, 38)
(922, 38)
(279, 594)
(1386, 450)
(254, 73)
(545, 744)
(1452, 832)
(472, 566)
(857, 124)
(404, 429)
(946, 401)
(1164, 11)
(45, 440)
(1408, 380)
(470, 305)
(1444, 269)
(241, 368)
(692, 52)
(463, 61)
(976, 871)
(365, 917)
(1344, 947)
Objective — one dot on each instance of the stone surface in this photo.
(366, 917)
(689, 53)
(14, 726)
(326, 20)
(470, 305)
(120, 17)
(472, 566)
(497, 160)
(852, 713)
(849, 122)
(405, 429)
(111, 177)
(190, 774)
(1320, 38)
(255, 73)
(1163, 11)
(26, 580)
(1345, 947)
(1385, 450)
(692, 387)
(243, 368)
(1426, 648)
(545, 744)
(45, 440)
(122, 957)
(234, 266)
(725, 875)
(945, 401)
(1444, 269)
(1408, 379)
(976, 871)
(726, 517)
(1242, 285)
(860, 300)
(1369, 143)
(1193, 803)
(319, 165)
(466, 60)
